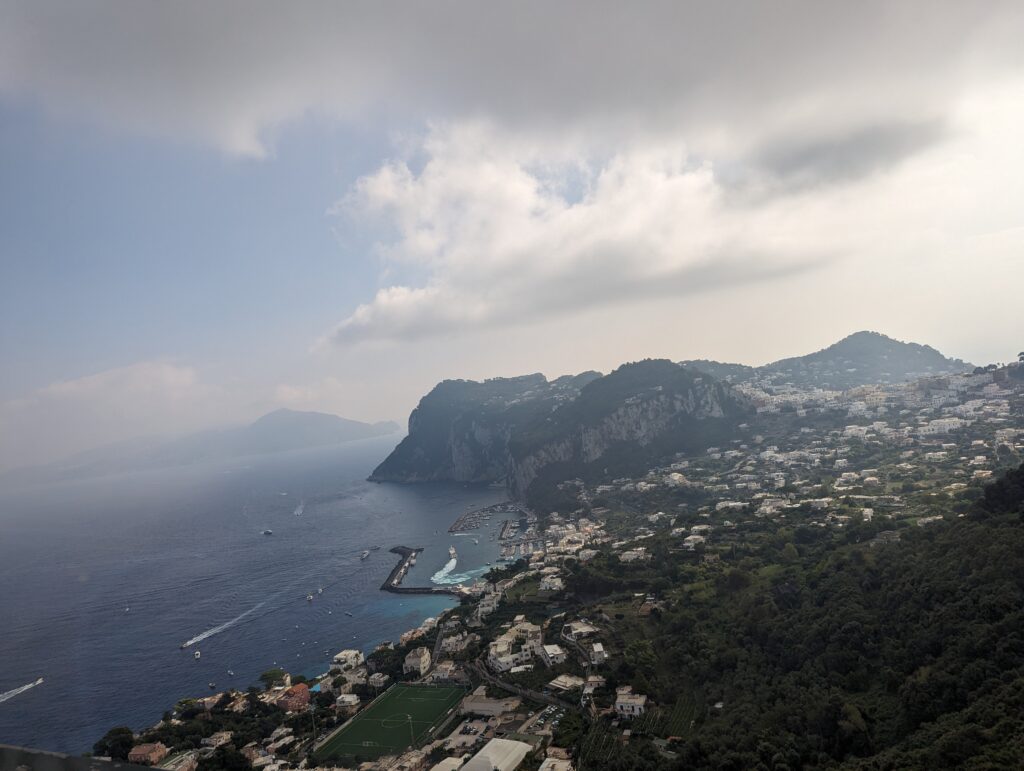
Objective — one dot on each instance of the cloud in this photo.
(232, 73)
(127, 402)
(507, 234)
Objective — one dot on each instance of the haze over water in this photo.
(102, 580)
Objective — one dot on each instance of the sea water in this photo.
(103, 580)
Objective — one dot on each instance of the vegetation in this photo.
(822, 653)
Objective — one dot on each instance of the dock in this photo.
(393, 583)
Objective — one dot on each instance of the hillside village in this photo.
(555, 653)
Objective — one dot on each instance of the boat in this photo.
(452, 553)
(196, 655)
(320, 590)
(309, 597)
(231, 673)
(268, 532)
(347, 613)
(374, 548)
(364, 555)
(476, 541)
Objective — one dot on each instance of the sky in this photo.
(212, 210)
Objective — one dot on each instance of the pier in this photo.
(393, 583)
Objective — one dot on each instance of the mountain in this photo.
(863, 358)
(525, 430)
(277, 431)
(461, 429)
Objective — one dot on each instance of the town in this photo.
(547, 662)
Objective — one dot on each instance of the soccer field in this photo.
(403, 716)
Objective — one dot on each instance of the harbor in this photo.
(393, 583)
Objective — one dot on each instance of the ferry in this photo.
(364, 555)
(452, 553)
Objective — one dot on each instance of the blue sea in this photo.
(101, 581)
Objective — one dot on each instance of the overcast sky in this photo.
(210, 210)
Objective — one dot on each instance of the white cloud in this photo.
(508, 233)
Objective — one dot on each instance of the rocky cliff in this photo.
(640, 411)
(522, 430)
(460, 431)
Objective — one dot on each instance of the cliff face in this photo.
(645, 409)
(460, 431)
(522, 429)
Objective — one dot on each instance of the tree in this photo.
(272, 676)
(116, 743)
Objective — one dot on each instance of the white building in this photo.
(629, 704)
(418, 661)
(499, 755)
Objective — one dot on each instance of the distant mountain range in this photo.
(863, 358)
(526, 429)
(277, 431)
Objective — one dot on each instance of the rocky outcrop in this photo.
(461, 430)
(663, 414)
(519, 429)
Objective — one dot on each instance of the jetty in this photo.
(393, 583)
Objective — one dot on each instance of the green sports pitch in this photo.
(401, 717)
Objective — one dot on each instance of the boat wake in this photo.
(218, 629)
(17, 691)
(447, 576)
(442, 574)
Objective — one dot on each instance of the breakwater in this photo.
(393, 583)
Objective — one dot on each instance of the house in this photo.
(148, 754)
(629, 704)
(346, 660)
(294, 698)
(597, 654)
(574, 631)
(444, 672)
(499, 755)
(377, 680)
(347, 703)
(552, 655)
(218, 739)
(417, 661)
(458, 642)
(551, 584)
(567, 683)
(515, 647)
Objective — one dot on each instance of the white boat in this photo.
(364, 555)
(268, 532)
(452, 553)
(309, 597)
(196, 655)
